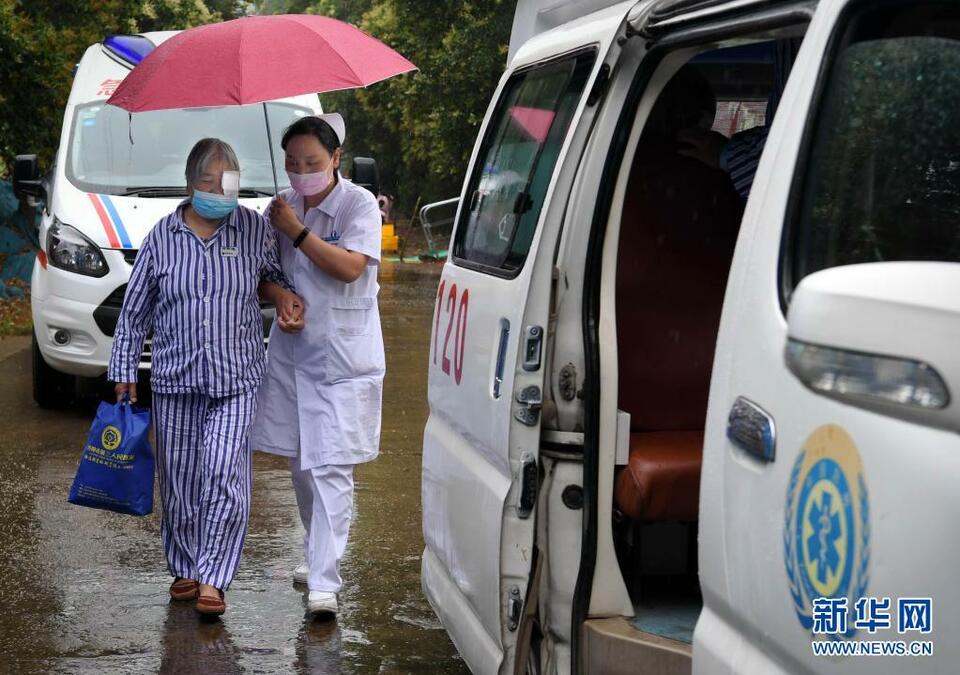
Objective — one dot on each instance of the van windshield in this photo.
(101, 157)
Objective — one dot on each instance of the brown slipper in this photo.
(184, 589)
(208, 606)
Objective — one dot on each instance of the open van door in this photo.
(487, 360)
(828, 502)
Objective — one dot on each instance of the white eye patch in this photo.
(230, 183)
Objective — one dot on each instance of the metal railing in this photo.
(437, 221)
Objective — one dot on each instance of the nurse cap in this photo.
(335, 120)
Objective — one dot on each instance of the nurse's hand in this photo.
(292, 325)
(284, 219)
(290, 310)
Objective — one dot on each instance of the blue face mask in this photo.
(211, 205)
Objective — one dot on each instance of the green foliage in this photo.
(42, 40)
(421, 127)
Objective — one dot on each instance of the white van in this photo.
(689, 412)
(115, 175)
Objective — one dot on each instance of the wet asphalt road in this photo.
(85, 591)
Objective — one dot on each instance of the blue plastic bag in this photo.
(116, 467)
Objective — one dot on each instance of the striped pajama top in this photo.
(741, 156)
(200, 300)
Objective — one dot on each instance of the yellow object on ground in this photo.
(389, 241)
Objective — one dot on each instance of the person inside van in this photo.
(678, 228)
(195, 286)
(740, 155)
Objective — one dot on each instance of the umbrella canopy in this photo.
(256, 59)
(534, 121)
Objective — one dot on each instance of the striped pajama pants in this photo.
(203, 464)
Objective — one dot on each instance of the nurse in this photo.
(320, 401)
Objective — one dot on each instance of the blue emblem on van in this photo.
(826, 529)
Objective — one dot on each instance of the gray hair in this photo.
(205, 151)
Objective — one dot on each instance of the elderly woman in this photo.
(195, 284)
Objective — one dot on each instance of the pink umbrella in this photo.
(534, 121)
(256, 59)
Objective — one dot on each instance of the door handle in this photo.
(501, 356)
(752, 429)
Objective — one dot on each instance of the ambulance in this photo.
(114, 176)
(694, 366)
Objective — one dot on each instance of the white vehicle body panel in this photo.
(472, 443)
(749, 623)
(751, 619)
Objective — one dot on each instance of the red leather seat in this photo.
(679, 227)
(662, 480)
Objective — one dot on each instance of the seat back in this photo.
(678, 231)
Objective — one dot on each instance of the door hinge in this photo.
(531, 402)
(568, 382)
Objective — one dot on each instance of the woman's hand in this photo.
(292, 325)
(284, 219)
(290, 311)
(126, 389)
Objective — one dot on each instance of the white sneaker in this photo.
(322, 602)
(301, 574)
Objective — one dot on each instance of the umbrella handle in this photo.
(273, 164)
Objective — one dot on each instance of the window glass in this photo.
(736, 116)
(882, 182)
(112, 152)
(516, 163)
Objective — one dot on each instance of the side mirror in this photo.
(26, 178)
(365, 174)
(881, 336)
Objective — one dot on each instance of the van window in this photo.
(882, 179)
(111, 152)
(734, 117)
(516, 163)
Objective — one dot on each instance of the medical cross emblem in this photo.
(915, 614)
(822, 545)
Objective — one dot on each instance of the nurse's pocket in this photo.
(351, 316)
(355, 344)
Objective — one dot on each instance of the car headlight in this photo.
(69, 250)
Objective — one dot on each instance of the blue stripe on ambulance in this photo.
(115, 217)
